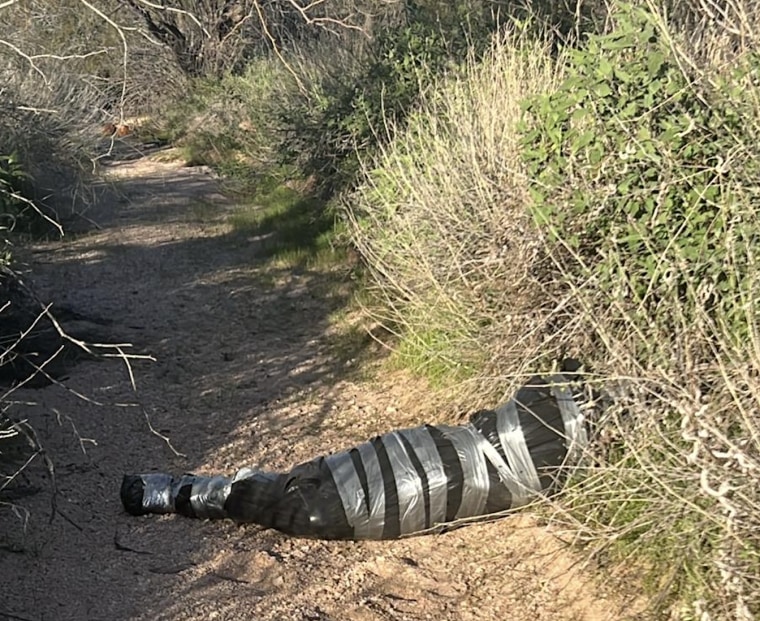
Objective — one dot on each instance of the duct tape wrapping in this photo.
(399, 483)
(190, 495)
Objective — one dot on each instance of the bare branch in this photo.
(33, 205)
(26, 57)
(158, 434)
(275, 47)
(170, 9)
(125, 50)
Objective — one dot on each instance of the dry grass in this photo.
(50, 121)
(442, 225)
(472, 289)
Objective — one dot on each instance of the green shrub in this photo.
(346, 116)
(229, 123)
(660, 159)
(13, 201)
(644, 164)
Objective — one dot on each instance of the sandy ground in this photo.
(243, 375)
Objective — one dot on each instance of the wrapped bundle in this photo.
(399, 483)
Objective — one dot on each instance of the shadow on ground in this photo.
(239, 346)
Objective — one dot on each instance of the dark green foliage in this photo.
(15, 207)
(13, 189)
(642, 170)
(567, 21)
(328, 131)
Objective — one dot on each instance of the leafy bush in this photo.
(659, 157)
(346, 115)
(645, 162)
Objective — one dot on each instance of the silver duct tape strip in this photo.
(158, 493)
(507, 477)
(474, 469)
(244, 473)
(572, 418)
(438, 485)
(523, 482)
(376, 488)
(408, 485)
(351, 492)
(208, 496)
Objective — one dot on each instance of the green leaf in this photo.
(623, 75)
(602, 89)
(655, 63)
(572, 83)
(583, 140)
(630, 110)
(617, 42)
(595, 153)
(579, 114)
(605, 68)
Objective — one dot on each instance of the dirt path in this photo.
(243, 376)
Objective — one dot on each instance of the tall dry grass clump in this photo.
(453, 257)
(617, 220)
(47, 124)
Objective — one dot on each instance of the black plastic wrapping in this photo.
(399, 483)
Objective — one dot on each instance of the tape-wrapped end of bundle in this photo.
(132, 489)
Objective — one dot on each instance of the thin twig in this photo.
(157, 433)
(68, 519)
